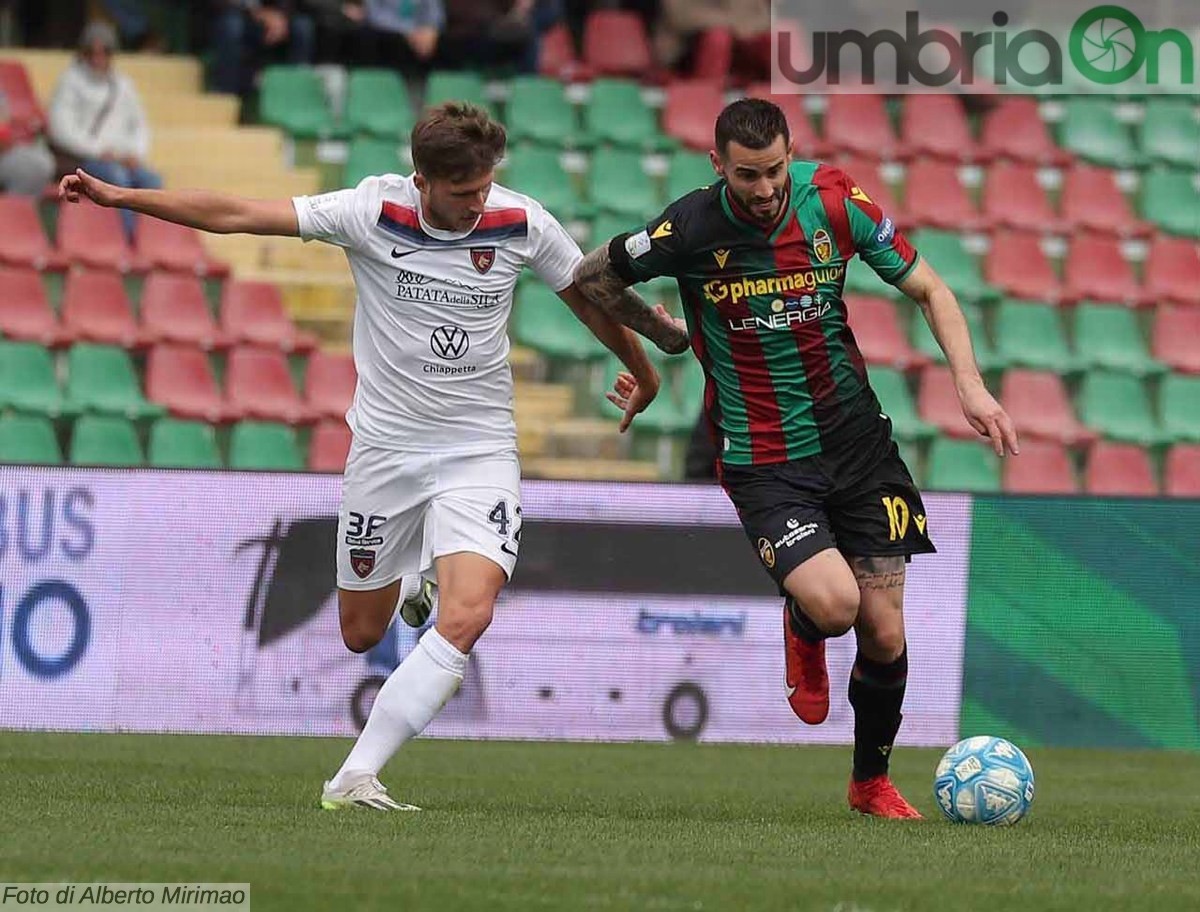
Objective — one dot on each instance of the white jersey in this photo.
(430, 339)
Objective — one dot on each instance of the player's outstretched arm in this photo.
(600, 284)
(219, 213)
(945, 318)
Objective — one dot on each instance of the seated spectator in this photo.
(490, 33)
(733, 37)
(399, 34)
(248, 32)
(96, 118)
(26, 165)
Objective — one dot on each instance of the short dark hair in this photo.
(457, 141)
(751, 122)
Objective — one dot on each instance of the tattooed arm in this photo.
(600, 284)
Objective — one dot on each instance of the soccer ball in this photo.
(984, 780)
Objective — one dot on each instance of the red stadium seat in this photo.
(615, 44)
(25, 313)
(937, 403)
(805, 140)
(1013, 198)
(174, 309)
(859, 124)
(176, 248)
(1017, 265)
(259, 385)
(865, 172)
(1175, 340)
(1092, 200)
(1120, 468)
(1173, 270)
(557, 58)
(1040, 408)
(1042, 468)
(95, 308)
(878, 333)
(691, 109)
(936, 125)
(253, 312)
(180, 378)
(24, 111)
(1096, 270)
(329, 447)
(329, 382)
(1015, 130)
(93, 236)
(935, 197)
(22, 242)
(1182, 470)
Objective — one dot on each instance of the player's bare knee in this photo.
(881, 642)
(360, 635)
(833, 610)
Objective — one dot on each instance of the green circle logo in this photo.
(1107, 44)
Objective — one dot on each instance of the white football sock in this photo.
(409, 699)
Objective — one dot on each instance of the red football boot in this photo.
(807, 678)
(879, 798)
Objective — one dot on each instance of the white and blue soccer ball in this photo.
(984, 780)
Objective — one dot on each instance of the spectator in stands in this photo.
(402, 34)
(25, 163)
(96, 118)
(492, 33)
(733, 36)
(247, 32)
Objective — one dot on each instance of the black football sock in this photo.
(802, 625)
(876, 693)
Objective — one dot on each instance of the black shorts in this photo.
(857, 497)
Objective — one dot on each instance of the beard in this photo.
(760, 210)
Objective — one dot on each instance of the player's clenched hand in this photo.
(988, 418)
(75, 186)
(631, 397)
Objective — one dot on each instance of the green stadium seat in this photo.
(608, 225)
(264, 445)
(861, 279)
(1170, 133)
(537, 171)
(688, 171)
(945, 252)
(369, 155)
(454, 85)
(543, 322)
(377, 104)
(677, 406)
(28, 439)
(179, 444)
(1170, 200)
(617, 184)
(962, 465)
(101, 378)
(892, 389)
(617, 115)
(922, 339)
(1116, 405)
(293, 99)
(105, 440)
(1179, 405)
(1108, 336)
(1091, 130)
(27, 380)
(539, 111)
(1029, 334)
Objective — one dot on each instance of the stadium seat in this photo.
(1014, 198)
(95, 308)
(1043, 467)
(1120, 469)
(20, 98)
(101, 378)
(329, 446)
(1117, 406)
(1091, 130)
(105, 440)
(537, 171)
(688, 171)
(253, 313)
(607, 225)
(1172, 270)
(293, 99)
(557, 58)
(1170, 133)
(25, 313)
(937, 403)
(1017, 265)
(1109, 337)
(616, 114)
(377, 105)
(543, 322)
(947, 254)
(23, 242)
(892, 389)
(329, 382)
(28, 382)
(691, 109)
(452, 85)
(1170, 200)
(962, 465)
(1175, 336)
(878, 333)
(538, 111)
(860, 124)
(1014, 130)
(923, 340)
(180, 379)
(677, 407)
(615, 44)
(1179, 406)
(1029, 334)
(1092, 200)
(264, 445)
(1094, 268)
(174, 309)
(617, 184)
(936, 126)
(805, 140)
(175, 248)
(1181, 471)
(28, 439)
(93, 236)
(178, 444)
(369, 155)
(258, 384)
(934, 197)
(1040, 408)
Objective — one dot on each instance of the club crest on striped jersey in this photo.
(722, 257)
(822, 245)
(482, 258)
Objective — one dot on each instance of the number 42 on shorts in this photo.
(501, 517)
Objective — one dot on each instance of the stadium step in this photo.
(543, 401)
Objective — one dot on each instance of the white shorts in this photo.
(401, 511)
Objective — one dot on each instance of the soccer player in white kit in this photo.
(432, 483)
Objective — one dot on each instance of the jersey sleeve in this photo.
(877, 241)
(343, 217)
(655, 250)
(553, 253)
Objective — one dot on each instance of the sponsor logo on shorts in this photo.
(766, 552)
(362, 562)
(450, 342)
(482, 258)
(796, 533)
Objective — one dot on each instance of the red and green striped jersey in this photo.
(765, 309)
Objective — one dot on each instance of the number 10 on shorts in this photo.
(897, 513)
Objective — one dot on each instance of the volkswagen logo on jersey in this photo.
(450, 342)
(483, 258)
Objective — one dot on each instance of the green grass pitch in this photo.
(573, 826)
